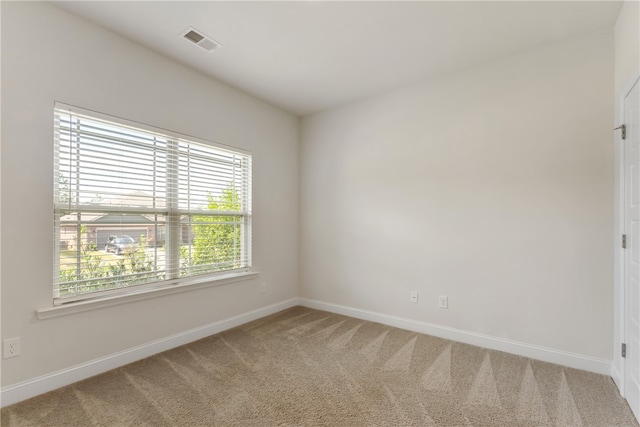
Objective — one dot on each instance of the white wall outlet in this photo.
(263, 287)
(443, 301)
(414, 297)
(11, 347)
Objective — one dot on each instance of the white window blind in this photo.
(136, 206)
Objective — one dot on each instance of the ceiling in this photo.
(308, 56)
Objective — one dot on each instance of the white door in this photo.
(632, 252)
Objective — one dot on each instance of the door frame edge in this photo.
(617, 365)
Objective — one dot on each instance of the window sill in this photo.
(80, 306)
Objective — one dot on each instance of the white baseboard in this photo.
(559, 357)
(35, 386)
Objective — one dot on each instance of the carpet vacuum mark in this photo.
(304, 367)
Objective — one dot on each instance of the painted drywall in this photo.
(627, 45)
(627, 69)
(493, 186)
(63, 58)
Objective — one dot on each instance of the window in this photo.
(138, 207)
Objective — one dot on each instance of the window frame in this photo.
(172, 211)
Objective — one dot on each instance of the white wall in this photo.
(627, 44)
(49, 55)
(493, 186)
(627, 69)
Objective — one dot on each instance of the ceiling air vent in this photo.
(196, 37)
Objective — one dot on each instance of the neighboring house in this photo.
(101, 227)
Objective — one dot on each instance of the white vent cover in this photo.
(198, 38)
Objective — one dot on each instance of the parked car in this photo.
(119, 244)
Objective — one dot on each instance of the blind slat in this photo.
(137, 206)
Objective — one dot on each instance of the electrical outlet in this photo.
(414, 297)
(11, 347)
(443, 301)
(263, 288)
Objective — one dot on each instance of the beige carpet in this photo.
(308, 367)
